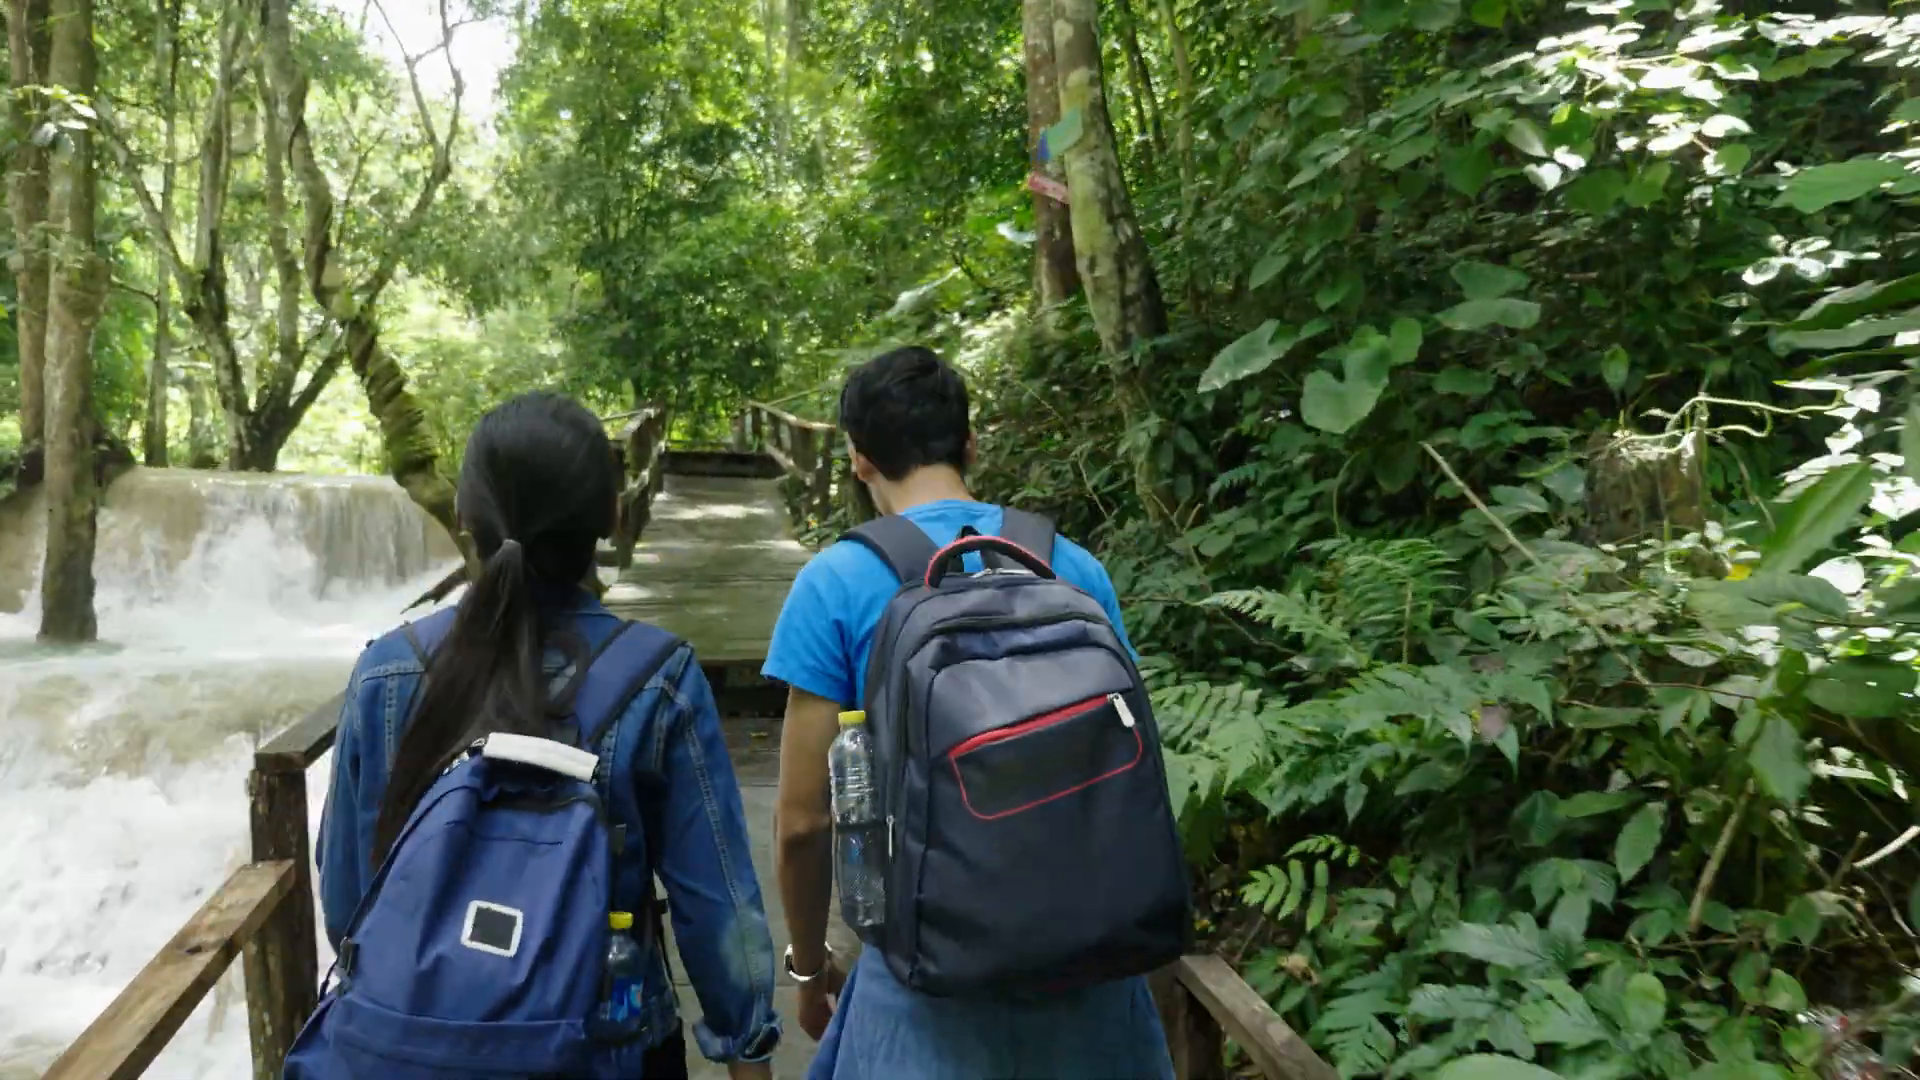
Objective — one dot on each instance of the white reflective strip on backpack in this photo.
(543, 753)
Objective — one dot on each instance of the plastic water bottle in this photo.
(859, 826)
(623, 971)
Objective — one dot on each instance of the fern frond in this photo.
(1285, 612)
(1238, 477)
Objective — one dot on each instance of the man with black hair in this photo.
(905, 417)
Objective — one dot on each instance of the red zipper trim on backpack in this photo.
(1044, 720)
(942, 555)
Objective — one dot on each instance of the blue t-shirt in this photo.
(825, 631)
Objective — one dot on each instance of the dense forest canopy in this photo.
(1498, 415)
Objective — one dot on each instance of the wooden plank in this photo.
(1278, 1052)
(303, 741)
(122, 1041)
(283, 969)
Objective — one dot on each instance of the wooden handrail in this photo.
(804, 450)
(122, 1041)
(788, 418)
(1202, 999)
(643, 442)
(302, 742)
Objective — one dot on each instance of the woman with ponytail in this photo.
(530, 651)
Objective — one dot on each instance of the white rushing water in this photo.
(228, 607)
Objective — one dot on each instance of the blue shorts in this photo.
(884, 1031)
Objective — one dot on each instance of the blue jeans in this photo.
(884, 1031)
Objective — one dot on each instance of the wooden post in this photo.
(124, 1040)
(821, 482)
(1193, 1035)
(283, 977)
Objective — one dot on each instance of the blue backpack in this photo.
(480, 948)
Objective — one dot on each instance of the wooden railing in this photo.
(1203, 1002)
(264, 913)
(642, 447)
(804, 449)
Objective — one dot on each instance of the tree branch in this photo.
(158, 228)
(442, 150)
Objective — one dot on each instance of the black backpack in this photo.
(1031, 839)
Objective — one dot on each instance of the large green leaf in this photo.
(1466, 382)
(1596, 192)
(1820, 186)
(1858, 332)
(1644, 1001)
(1492, 1067)
(1863, 688)
(1485, 281)
(1590, 803)
(1779, 760)
(1634, 848)
(1842, 306)
(1255, 352)
(1811, 521)
(1403, 341)
(1525, 137)
(1467, 169)
(1614, 367)
(1478, 314)
(1910, 438)
(1335, 405)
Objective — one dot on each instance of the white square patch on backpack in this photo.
(492, 928)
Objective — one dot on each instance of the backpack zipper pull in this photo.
(1120, 706)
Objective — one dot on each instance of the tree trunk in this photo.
(202, 442)
(205, 290)
(28, 47)
(153, 433)
(411, 457)
(1054, 276)
(77, 295)
(1146, 105)
(1183, 149)
(1115, 268)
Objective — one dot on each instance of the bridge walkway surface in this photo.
(714, 566)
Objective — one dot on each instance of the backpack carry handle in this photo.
(948, 557)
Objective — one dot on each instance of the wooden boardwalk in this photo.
(713, 566)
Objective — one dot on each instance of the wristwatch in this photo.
(799, 978)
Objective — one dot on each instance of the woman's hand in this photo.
(819, 997)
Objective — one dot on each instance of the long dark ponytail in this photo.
(537, 490)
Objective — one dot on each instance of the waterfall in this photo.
(229, 605)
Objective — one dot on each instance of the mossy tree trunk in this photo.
(411, 456)
(153, 431)
(1116, 269)
(77, 295)
(28, 48)
(1054, 276)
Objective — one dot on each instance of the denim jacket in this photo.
(668, 739)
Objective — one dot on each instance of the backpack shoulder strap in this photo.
(638, 651)
(424, 635)
(904, 546)
(1032, 531)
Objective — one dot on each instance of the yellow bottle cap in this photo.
(850, 719)
(620, 920)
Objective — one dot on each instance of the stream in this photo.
(229, 605)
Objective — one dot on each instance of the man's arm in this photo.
(803, 825)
